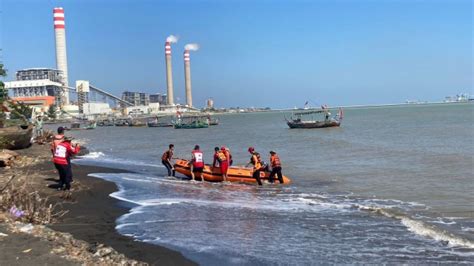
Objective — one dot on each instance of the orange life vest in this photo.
(275, 161)
(221, 156)
(255, 160)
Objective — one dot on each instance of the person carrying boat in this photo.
(61, 159)
(221, 158)
(166, 160)
(257, 164)
(197, 162)
(276, 167)
(227, 153)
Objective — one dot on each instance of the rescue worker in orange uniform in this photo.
(61, 159)
(166, 160)
(276, 167)
(257, 164)
(197, 162)
(221, 158)
(227, 153)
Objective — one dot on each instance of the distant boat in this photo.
(213, 121)
(17, 137)
(304, 119)
(122, 122)
(79, 126)
(156, 123)
(191, 121)
(137, 123)
(105, 123)
(189, 125)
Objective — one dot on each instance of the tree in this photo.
(52, 112)
(3, 96)
(21, 111)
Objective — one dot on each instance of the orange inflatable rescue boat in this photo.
(234, 174)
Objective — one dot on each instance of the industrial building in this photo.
(136, 98)
(37, 86)
(158, 98)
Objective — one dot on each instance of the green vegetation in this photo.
(3, 96)
(21, 111)
(52, 112)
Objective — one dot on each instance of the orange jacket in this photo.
(275, 161)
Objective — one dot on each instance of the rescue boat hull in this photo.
(237, 174)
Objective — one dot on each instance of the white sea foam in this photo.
(102, 159)
(285, 202)
(92, 155)
(421, 228)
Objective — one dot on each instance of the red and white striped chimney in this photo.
(61, 57)
(169, 73)
(187, 78)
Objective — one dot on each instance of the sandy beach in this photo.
(88, 226)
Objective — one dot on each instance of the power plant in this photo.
(187, 78)
(43, 88)
(187, 72)
(169, 70)
(61, 56)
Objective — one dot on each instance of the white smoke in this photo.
(172, 39)
(192, 46)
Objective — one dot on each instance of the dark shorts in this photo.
(198, 169)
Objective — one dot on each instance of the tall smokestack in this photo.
(61, 57)
(187, 71)
(187, 78)
(169, 71)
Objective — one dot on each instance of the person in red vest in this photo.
(276, 167)
(197, 162)
(61, 158)
(58, 138)
(221, 158)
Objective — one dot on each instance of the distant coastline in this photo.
(261, 110)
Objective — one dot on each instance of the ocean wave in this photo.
(92, 155)
(102, 159)
(249, 198)
(421, 228)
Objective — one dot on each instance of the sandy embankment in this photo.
(85, 234)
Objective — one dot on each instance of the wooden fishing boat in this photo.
(238, 174)
(137, 123)
(17, 137)
(192, 124)
(300, 120)
(158, 123)
(80, 126)
(214, 121)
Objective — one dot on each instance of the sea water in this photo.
(391, 185)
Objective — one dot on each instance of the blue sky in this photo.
(255, 53)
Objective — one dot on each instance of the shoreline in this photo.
(91, 217)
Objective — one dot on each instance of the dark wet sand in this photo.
(92, 216)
